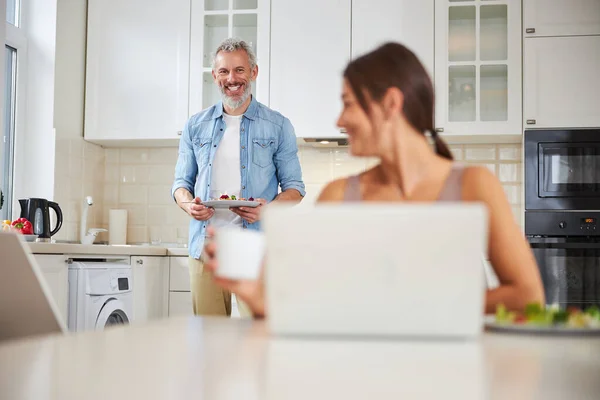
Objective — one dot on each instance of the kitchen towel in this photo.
(117, 227)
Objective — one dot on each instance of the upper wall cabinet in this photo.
(561, 83)
(310, 46)
(340, 30)
(137, 70)
(561, 17)
(149, 64)
(478, 68)
(212, 22)
(409, 22)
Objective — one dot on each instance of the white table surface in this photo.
(219, 358)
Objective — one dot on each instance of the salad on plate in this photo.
(225, 196)
(538, 316)
(225, 200)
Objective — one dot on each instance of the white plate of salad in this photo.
(226, 201)
(546, 320)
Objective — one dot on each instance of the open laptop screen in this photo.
(26, 305)
(376, 269)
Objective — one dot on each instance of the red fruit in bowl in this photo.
(23, 226)
(573, 310)
(224, 197)
(251, 199)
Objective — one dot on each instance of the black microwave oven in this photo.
(562, 170)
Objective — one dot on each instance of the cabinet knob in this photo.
(140, 262)
(439, 130)
(179, 133)
(530, 122)
(530, 30)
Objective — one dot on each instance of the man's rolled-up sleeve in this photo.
(289, 172)
(186, 168)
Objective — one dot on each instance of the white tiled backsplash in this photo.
(139, 180)
(79, 172)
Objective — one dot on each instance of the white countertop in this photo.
(99, 249)
(220, 358)
(177, 251)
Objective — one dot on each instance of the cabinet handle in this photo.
(343, 130)
(530, 122)
(179, 133)
(439, 130)
(140, 262)
(530, 30)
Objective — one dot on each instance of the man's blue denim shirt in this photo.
(268, 159)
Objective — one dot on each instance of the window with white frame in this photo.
(10, 59)
(14, 53)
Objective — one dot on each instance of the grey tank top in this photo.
(452, 190)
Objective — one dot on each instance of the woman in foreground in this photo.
(388, 113)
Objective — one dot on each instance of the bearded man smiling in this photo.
(239, 147)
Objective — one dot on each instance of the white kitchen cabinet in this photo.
(478, 68)
(137, 70)
(212, 21)
(561, 17)
(56, 274)
(310, 47)
(180, 297)
(150, 287)
(409, 22)
(339, 31)
(180, 303)
(179, 275)
(561, 86)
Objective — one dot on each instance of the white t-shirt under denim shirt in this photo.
(226, 176)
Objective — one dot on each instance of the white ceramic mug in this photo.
(240, 253)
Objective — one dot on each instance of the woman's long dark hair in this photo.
(393, 65)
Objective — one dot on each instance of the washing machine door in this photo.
(112, 313)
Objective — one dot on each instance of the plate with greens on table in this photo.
(226, 201)
(546, 320)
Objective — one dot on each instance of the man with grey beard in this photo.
(239, 147)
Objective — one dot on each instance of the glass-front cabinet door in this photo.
(478, 67)
(216, 20)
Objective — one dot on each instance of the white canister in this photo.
(117, 227)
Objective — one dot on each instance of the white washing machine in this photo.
(100, 293)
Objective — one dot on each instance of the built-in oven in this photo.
(567, 251)
(570, 270)
(562, 212)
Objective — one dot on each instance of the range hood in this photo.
(326, 142)
(336, 141)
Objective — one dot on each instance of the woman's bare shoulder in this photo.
(334, 191)
(479, 183)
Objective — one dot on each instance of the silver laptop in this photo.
(376, 270)
(26, 305)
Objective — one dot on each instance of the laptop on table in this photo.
(26, 305)
(384, 270)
